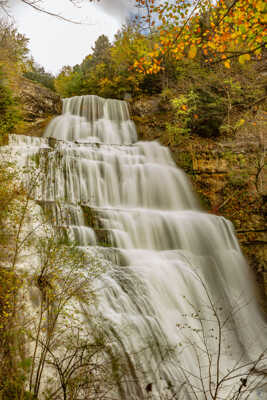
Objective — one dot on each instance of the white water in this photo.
(170, 259)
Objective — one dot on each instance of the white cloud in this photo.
(54, 43)
(116, 7)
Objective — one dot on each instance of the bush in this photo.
(210, 111)
(9, 112)
(42, 77)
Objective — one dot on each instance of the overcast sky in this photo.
(54, 43)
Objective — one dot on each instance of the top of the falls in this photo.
(94, 108)
(93, 119)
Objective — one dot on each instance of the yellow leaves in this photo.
(104, 81)
(261, 6)
(242, 28)
(192, 52)
(212, 45)
(243, 58)
(221, 48)
(154, 69)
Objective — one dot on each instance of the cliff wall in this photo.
(228, 173)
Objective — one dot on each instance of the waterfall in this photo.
(178, 290)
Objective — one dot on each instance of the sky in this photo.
(55, 43)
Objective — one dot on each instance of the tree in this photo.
(83, 369)
(58, 280)
(101, 51)
(217, 31)
(9, 112)
(63, 282)
(109, 71)
(69, 82)
(208, 337)
(220, 367)
(38, 74)
(13, 45)
(12, 212)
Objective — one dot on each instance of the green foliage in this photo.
(13, 56)
(221, 100)
(13, 45)
(69, 83)
(89, 77)
(14, 63)
(238, 180)
(184, 161)
(108, 71)
(101, 51)
(9, 112)
(39, 75)
(210, 112)
(184, 107)
(14, 390)
(11, 200)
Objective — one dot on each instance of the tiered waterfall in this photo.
(178, 290)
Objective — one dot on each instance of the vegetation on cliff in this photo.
(45, 349)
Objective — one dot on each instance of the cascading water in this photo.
(177, 302)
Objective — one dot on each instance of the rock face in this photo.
(226, 172)
(39, 104)
(141, 108)
(37, 101)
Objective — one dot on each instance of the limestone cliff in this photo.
(38, 103)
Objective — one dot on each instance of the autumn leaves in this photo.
(217, 31)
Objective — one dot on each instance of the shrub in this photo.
(9, 112)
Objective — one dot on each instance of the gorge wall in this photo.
(227, 173)
(38, 104)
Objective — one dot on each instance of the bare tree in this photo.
(208, 338)
(41, 311)
(39, 5)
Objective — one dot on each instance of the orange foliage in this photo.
(218, 31)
